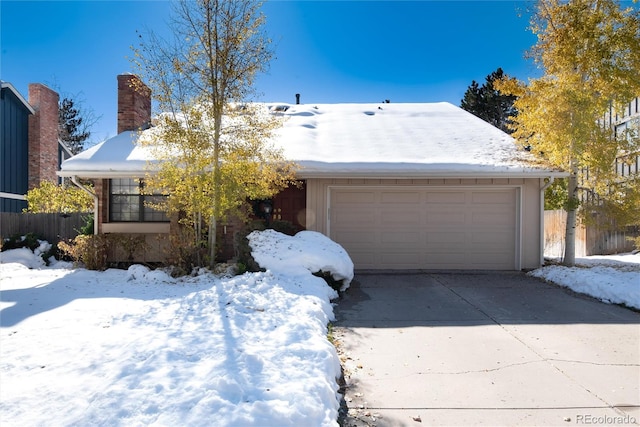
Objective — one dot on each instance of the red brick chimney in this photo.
(134, 103)
(43, 135)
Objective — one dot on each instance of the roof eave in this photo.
(318, 174)
(302, 174)
(17, 94)
(102, 174)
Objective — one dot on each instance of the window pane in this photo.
(151, 214)
(125, 186)
(127, 204)
(125, 208)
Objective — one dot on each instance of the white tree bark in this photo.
(572, 208)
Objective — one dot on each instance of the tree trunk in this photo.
(572, 208)
(217, 183)
(213, 231)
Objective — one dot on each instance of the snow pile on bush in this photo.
(296, 255)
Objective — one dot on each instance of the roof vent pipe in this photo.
(297, 98)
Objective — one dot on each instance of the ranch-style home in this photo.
(399, 186)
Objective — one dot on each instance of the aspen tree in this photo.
(589, 52)
(213, 145)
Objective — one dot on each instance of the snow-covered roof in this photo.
(357, 140)
(117, 156)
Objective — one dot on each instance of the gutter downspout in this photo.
(93, 194)
(542, 190)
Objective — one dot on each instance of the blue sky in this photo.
(328, 51)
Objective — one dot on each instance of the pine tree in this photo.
(589, 51)
(72, 129)
(488, 103)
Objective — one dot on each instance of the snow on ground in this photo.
(611, 278)
(137, 347)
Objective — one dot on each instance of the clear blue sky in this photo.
(328, 51)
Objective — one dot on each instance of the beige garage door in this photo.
(421, 228)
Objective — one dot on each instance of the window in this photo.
(127, 204)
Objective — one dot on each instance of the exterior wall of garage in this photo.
(528, 210)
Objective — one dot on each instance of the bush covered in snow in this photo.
(32, 244)
(307, 251)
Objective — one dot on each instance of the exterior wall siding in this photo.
(14, 165)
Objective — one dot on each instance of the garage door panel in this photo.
(402, 237)
(355, 218)
(389, 218)
(439, 197)
(427, 228)
(445, 238)
(501, 239)
(358, 238)
(491, 198)
(394, 197)
(444, 260)
(354, 197)
(492, 219)
(401, 259)
(489, 261)
(445, 219)
(364, 259)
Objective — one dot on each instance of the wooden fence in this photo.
(590, 240)
(50, 227)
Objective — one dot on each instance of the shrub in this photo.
(91, 250)
(87, 228)
(335, 284)
(184, 254)
(29, 240)
(51, 198)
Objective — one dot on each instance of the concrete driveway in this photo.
(484, 348)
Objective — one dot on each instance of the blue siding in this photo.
(14, 149)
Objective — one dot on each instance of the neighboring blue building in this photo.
(30, 150)
(14, 149)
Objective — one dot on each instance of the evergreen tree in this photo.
(72, 128)
(488, 103)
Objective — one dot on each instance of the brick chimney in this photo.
(43, 135)
(134, 103)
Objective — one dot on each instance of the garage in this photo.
(427, 228)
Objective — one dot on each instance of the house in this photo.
(31, 150)
(399, 186)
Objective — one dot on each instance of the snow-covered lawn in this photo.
(611, 278)
(138, 347)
